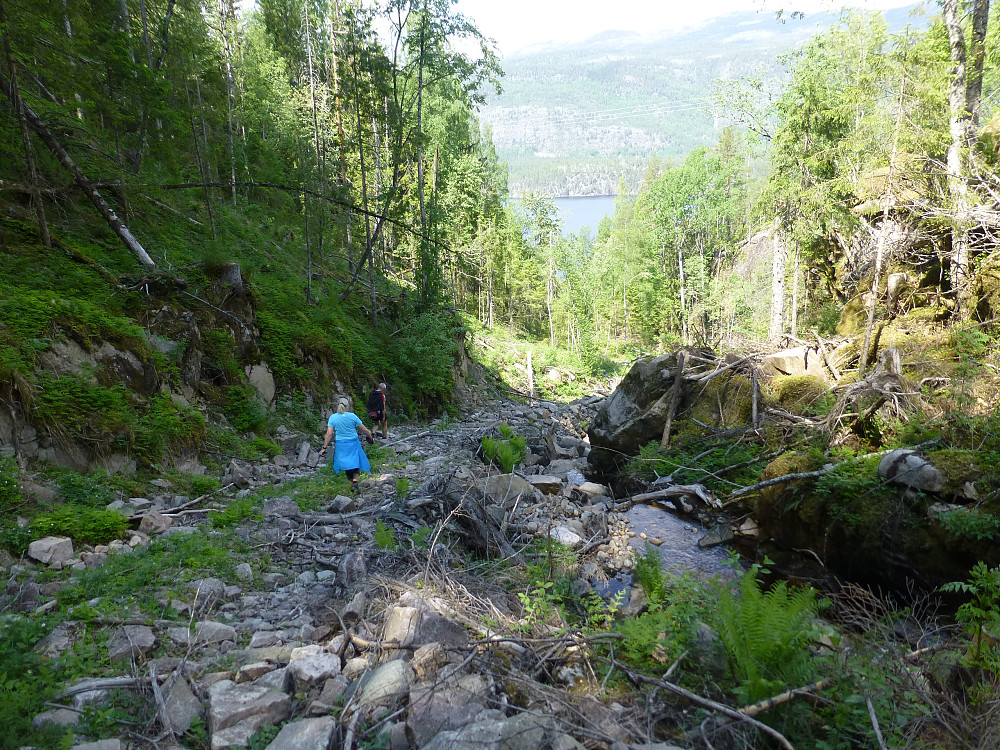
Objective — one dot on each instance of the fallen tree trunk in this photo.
(116, 224)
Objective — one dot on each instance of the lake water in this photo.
(586, 211)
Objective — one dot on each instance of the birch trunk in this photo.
(778, 261)
(116, 224)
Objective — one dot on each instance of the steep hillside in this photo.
(574, 118)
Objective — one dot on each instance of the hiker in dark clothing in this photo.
(376, 409)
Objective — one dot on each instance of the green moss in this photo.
(724, 401)
(244, 409)
(965, 466)
(165, 427)
(852, 318)
(803, 394)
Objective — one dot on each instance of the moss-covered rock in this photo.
(724, 401)
(801, 394)
(852, 318)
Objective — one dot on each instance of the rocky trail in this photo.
(363, 622)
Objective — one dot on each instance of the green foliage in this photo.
(384, 535)
(238, 510)
(766, 635)
(421, 536)
(26, 683)
(75, 405)
(85, 489)
(982, 611)
(402, 486)
(164, 426)
(259, 447)
(712, 470)
(424, 356)
(506, 451)
(263, 737)
(81, 523)
(10, 489)
(124, 581)
(649, 574)
(244, 410)
(971, 523)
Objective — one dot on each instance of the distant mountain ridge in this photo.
(575, 118)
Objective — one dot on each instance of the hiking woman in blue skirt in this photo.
(348, 455)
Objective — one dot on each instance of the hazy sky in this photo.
(520, 23)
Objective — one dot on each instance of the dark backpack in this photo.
(376, 401)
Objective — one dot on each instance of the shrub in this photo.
(970, 523)
(10, 491)
(75, 405)
(507, 451)
(80, 523)
(385, 536)
(164, 426)
(83, 489)
(244, 410)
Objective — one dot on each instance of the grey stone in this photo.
(433, 628)
(262, 380)
(208, 592)
(244, 572)
(506, 488)
(480, 735)
(565, 535)
(525, 730)
(909, 469)
(719, 534)
(308, 734)
(282, 506)
(566, 742)
(183, 706)
(253, 672)
(799, 360)
(51, 550)
(237, 711)
(276, 679)
(401, 626)
(264, 638)
(546, 483)
(314, 670)
(351, 569)
(435, 709)
(130, 642)
(100, 745)
(62, 717)
(205, 632)
(155, 522)
(384, 685)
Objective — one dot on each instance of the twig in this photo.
(781, 698)
(874, 718)
(161, 705)
(725, 710)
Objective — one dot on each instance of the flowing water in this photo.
(679, 551)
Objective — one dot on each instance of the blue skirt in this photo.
(348, 454)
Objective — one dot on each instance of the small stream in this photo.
(679, 551)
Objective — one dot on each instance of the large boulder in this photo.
(237, 711)
(634, 414)
(51, 550)
(799, 360)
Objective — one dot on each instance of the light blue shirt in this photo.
(344, 425)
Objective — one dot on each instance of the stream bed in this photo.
(679, 550)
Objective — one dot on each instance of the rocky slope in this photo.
(348, 622)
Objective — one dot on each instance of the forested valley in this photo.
(723, 474)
